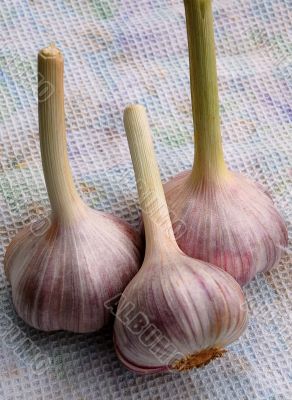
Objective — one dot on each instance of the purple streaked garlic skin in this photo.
(64, 268)
(62, 278)
(228, 222)
(181, 309)
(177, 313)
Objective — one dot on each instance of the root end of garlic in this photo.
(198, 360)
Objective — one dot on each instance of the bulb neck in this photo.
(64, 199)
(209, 157)
(158, 227)
(157, 223)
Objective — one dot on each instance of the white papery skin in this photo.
(175, 309)
(229, 222)
(61, 277)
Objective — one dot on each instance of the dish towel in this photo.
(118, 52)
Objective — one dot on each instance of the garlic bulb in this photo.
(177, 313)
(219, 216)
(62, 272)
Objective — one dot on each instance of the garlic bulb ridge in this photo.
(62, 270)
(177, 312)
(219, 216)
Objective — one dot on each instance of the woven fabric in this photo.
(118, 52)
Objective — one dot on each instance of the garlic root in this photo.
(198, 360)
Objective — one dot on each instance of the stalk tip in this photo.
(50, 52)
(134, 107)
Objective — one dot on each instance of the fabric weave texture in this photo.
(125, 51)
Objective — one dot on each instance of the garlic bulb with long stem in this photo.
(219, 216)
(62, 272)
(177, 313)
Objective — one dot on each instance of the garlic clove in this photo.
(63, 269)
(219, 216)
(177, 313)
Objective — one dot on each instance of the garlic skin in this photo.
(177, 313)
(63, 269)
(191, 311)
(230, 223)
(219, 216)
(61, 279)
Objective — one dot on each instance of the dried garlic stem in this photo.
(209, 158)
(61, 190)
(152, 199)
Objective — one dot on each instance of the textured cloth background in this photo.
(117, 52)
